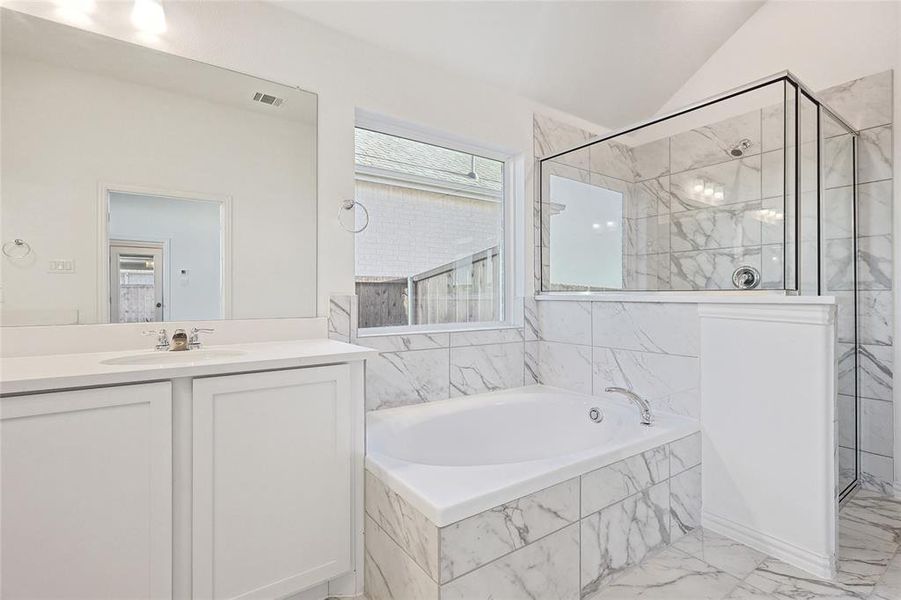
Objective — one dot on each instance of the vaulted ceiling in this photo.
(610, 62)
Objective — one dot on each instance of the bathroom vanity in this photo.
(231, 472)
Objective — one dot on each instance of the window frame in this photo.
(510, 251)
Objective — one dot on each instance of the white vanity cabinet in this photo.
(86, 503)
(272, 475)
(238, 477)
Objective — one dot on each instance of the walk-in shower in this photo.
(753, 191)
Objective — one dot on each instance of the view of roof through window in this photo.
(393, 157)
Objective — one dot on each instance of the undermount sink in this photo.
(170, 358)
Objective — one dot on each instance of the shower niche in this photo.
(749, 192)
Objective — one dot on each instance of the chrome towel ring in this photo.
(348, 205)
(17, 249)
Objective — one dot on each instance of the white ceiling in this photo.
(610, 62)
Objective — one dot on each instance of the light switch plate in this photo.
(61, 266)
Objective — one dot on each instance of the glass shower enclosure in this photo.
(752, 192)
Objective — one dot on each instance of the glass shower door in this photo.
(838, 278)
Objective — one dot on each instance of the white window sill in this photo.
(431, 329)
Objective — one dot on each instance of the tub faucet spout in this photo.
(640, 402)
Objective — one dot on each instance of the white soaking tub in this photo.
(455, 458)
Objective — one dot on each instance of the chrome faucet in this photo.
(162, 338)
(194, 340)
(640, 402)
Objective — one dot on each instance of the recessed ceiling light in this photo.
(148, 16)
(596, 225)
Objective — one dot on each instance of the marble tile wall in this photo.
(867, 104)
(561, 542)
(423, 367)
(650, 347)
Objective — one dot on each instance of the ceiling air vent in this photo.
(268, 99)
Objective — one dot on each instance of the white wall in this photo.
(267, 41)
(83, 127)
(823, 43)
(192, 234)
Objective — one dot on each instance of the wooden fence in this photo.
(463, 291)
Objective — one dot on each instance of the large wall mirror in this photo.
(141, 186)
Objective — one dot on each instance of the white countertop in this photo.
(61, 371)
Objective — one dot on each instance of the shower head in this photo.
(739, 148)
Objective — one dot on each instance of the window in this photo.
(433, 252)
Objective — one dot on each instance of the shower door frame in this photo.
(790, 81)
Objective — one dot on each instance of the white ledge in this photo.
(712, 297)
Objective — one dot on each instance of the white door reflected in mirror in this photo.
(167, 258)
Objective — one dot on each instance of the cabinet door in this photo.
(272, 482)
(87, 493)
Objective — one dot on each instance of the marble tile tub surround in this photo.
(423, 367)
(565, 541)
(649, 347)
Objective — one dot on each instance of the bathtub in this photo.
(453, 459)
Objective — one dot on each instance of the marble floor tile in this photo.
(889, 586)
(670, 575)
(873, 515)
(747, 592)
(705, 565)
(862, 560)
(781, 580)
(723, 553)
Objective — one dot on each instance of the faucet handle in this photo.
(162, 338)
(194, 341)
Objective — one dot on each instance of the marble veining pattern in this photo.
(538, 546)
(477, 369)
(400, 378)
(668, 382)
(704, 564)
(548, 568)
(739, 181)
(616, 482)
(622, 534)
(405, 525)
(710, 144)
(864, 102)
(389, 573)
(685, 453)
(475, 541)
(567, 366)
(685, 502)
